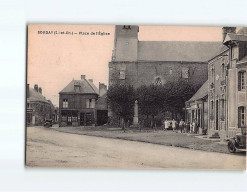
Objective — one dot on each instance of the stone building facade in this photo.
(78, 103)
(38, 108)
(227, 85)
(139, 63)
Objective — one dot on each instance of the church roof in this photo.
(85, 87)
(190, 51)
(201, 93)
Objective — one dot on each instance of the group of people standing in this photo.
(182, 126)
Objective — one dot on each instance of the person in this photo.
(166, 124)
(181, 125)
(174, 124)
(194, 126)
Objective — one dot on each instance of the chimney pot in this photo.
(36, 88)
(40, 90)
(83, 76)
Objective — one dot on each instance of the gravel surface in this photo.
(167, 138)
(54, 149)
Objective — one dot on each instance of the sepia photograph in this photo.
(136, 97)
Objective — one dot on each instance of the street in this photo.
(49, 148)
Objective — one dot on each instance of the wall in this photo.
(217, 92)
(76, 101)
(145, 73)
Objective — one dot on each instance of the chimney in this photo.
(83, 76)
(40, 90)
(91, 80)
(36, 88)
(27, 92)
(102, 89)
(226, 30)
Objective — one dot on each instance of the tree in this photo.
(121, 99)
(151, 100)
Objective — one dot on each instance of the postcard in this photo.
(136, 97)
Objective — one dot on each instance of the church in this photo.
(139, 63)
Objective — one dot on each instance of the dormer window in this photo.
(77, 88)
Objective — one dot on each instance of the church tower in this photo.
(125, 43)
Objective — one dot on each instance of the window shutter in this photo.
(239, 81)
(239, 117)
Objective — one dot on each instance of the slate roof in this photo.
(235, 37)
(36, 96)
(201, 93)
(190, 51)
(242, 30)
(86, 87)
(102, 102)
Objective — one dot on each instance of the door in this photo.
(217, 115)
(69, 123)
(89, 118)
(82, 119)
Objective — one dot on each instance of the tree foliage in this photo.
(121, 99)
(153, 100)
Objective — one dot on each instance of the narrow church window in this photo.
(170, 71)
(122, 74)
(185, 73)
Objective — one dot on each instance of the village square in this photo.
(167, 105)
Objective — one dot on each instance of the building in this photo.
(227, 85)
(78, 103)
(139, 63)
(145, 62)
(197, 108)
(38, 107)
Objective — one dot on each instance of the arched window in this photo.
(241, 116)
(158, 81)
(241, 80)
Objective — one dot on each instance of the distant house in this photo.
(38, 107)
(78, 103)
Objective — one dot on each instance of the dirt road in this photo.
(49, 148)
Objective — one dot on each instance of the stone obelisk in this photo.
(135, 119)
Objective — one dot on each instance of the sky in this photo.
(56, 59)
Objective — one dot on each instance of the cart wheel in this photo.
(231, 147)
